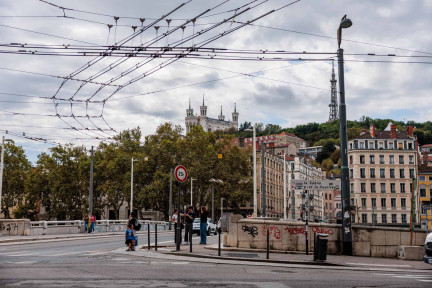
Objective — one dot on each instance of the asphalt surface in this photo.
(92, 263)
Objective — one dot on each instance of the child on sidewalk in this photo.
(130, 238)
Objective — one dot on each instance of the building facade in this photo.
(210, 124)
(382, 168)
(425, 196)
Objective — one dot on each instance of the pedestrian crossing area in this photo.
(53, 254)
(425, 277)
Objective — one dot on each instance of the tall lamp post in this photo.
(345, 191)
(1, 169)
(212, 180)
(255, 213)
(192, 179)
(131, 200)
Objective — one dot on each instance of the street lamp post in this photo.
(1, 169)
(284, 187)
(214, 181)
(131, 200)
(192, 179)
(345, 191)
(255, 213)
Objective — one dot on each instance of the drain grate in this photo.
(243, 255)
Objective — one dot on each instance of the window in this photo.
(351, 173)
(352, 188)
(401, 159)
(383, 187)
(390, 145)
(373, 187)
(330, 206)
(394, 218)
(384, 218)
(381, 145)
(372, 172)
(362, 159)
(330, 197)
(393, 202)
(350, 146)
(422, 178)
(352, 218)
(326, 206)
(392, 173)
(430, 178)
(361, 145)
(363, 187)
(373, 202)
(402, 187)
(393, 187)
(351, 159)
(411, 159)
(352, 201)
(325, 196)
(401, 173)
(381, 158)
(372, 159)
(423, 192)
(391, 158)
(411, 173)
(374, 218)
(362, 173)
(363, 202)
(383, 202)
(371, 145)
(403, 202)
(404, 219)
(410, 146)
(382, 173)
(364, 218)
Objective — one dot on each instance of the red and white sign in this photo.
(180, 173)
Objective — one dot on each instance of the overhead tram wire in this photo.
(97, 59)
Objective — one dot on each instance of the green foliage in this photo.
(327, 150)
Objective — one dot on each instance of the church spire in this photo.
(189, 104)
(221, 110)
(203, 100)
(235, 107)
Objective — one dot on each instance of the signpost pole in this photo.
(170, 201)
(180, 173)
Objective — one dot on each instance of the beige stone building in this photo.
(382, 166)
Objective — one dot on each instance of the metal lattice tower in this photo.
(333, 100)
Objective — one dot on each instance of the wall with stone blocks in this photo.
(291, 236)
(14, 227)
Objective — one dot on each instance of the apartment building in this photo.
(425, 197)
(382, 167)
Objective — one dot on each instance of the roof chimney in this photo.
(372, 130)
(393, 131)
(410, 131)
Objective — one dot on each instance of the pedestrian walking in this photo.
(86, 223)
(130, 238)
(174, 220)
(203, 225)
(92, 223)
(189, 218)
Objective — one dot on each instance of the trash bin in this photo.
(321, 247)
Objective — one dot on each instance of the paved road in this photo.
(90, 263)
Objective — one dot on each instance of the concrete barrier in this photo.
(291, 236)
(411, 252)
(14, 227)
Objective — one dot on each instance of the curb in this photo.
(257, 260)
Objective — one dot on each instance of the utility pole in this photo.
(255, 213)
(293, 192)
(170, 201)
(213, 218)
(91, 183)
(284, 187)
(263, 190)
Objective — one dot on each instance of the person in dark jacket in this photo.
(189, 218)
(203, 225)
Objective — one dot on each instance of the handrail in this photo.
(98, 222)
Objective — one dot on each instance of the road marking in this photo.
(417, 277)
(11, 253)
(377, 265)
(424, 280)
(61, 254)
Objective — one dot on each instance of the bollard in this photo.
(45, 227)
(219, 244)
(190, 237)
(268, 243)
(148, 235)
(155, 236)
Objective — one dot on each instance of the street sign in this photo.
(316, 184)
(180, 173)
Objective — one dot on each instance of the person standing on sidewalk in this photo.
(86, 223)
(174, 220)
(92, 223)
(203, 226)
(189, 218)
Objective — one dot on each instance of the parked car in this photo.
(211, 227)
(428, 249)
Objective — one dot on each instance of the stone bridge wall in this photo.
(290, 236)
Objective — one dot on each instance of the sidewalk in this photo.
(10, 240)
(255, 255)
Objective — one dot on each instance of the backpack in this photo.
(137, 225)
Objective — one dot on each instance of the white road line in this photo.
(424, 280)
(377, 265)
(61, 254)
(11, 253)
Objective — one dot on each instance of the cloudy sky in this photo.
(280, 92)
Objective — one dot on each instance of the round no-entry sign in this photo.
(180, 173)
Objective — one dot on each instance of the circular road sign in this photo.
(220, 156)
(180, 173)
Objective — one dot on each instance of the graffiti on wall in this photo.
(296, 230)
(8, 228)
(274, 231)
(251, 230)
(322, 230)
